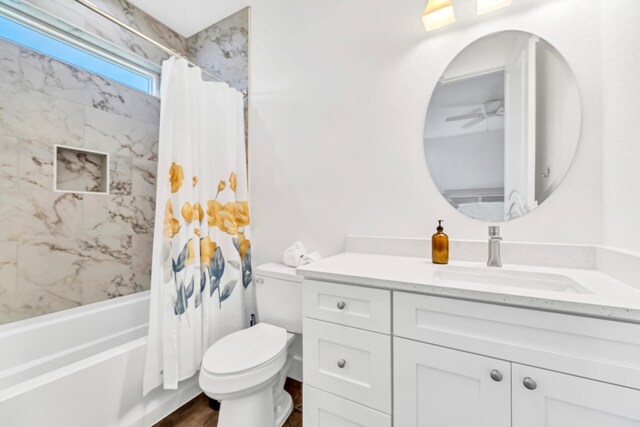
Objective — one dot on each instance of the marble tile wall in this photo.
(61, 250)
(78, 15)
(79, 170)
(224, 49)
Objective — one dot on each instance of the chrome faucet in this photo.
(494, 247)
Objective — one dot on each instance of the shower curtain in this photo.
(201, 266)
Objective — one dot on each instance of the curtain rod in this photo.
(172, 52)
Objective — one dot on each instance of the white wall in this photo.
(340, 91)
(621, 110)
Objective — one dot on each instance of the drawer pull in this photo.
(341, 305)
(496, 375)
(529, 384)
(341, 363)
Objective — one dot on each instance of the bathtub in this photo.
(83, 367)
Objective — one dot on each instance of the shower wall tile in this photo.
(120, 135)
(9, 267)
(9, 62)
(35, 165)
(8, 163)
(142, 22)
(107, 272)
(118, 215)
(110, 215)
(121, 175)
(49, 76)
(224, 49)
(141, 259)
(144, 178)
(52, 265)
(28, 215)
(77, 15)
(25, 305)
(80, 171)
(68, 267)
(30, 114)
(119, 282)
(113, 97)
(52, 77)
(61, 9)
(144, 208)
(62, 250)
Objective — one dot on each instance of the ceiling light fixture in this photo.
(438, 14)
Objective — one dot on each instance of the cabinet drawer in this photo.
(355, 306)
(348, 362)
(323, 409)
(601, 349)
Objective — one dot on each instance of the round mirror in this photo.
(503, 126)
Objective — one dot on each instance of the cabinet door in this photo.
(436, 386)
(551, 399)
(322, 409)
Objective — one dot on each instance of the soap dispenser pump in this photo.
(440, 246)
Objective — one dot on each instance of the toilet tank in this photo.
(279, 296)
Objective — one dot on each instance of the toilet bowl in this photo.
(246, 370)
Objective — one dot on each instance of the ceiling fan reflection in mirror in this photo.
(489, 109)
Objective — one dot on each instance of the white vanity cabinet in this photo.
(379, 357)
(437, 386)
(475, 366)
(347, 355)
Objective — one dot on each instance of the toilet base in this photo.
(255, 409)
(268, 406)
(283, 408)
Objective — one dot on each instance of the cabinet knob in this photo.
(496, 375)
(341, 305)
(259, 281)
(529, 383)
(341, 363)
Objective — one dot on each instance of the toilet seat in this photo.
(244, 359)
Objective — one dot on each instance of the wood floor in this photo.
(197, 413)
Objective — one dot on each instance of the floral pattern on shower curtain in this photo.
(201, 266)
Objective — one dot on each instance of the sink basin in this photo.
(511, 278)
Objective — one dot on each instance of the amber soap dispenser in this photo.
(440, 246)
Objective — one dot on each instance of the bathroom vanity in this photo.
(399, 341)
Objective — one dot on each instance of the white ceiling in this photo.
(187, 17)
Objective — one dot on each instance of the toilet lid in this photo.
(245, 349)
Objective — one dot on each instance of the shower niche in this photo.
(77, 170)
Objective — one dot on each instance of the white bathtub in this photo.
(82, 367)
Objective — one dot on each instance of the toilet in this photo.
(246, 370)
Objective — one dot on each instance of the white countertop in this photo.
(607, 297)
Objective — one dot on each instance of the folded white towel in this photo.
(296, 255)
(293, 254)
(309, 258)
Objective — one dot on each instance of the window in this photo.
(48, 45)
